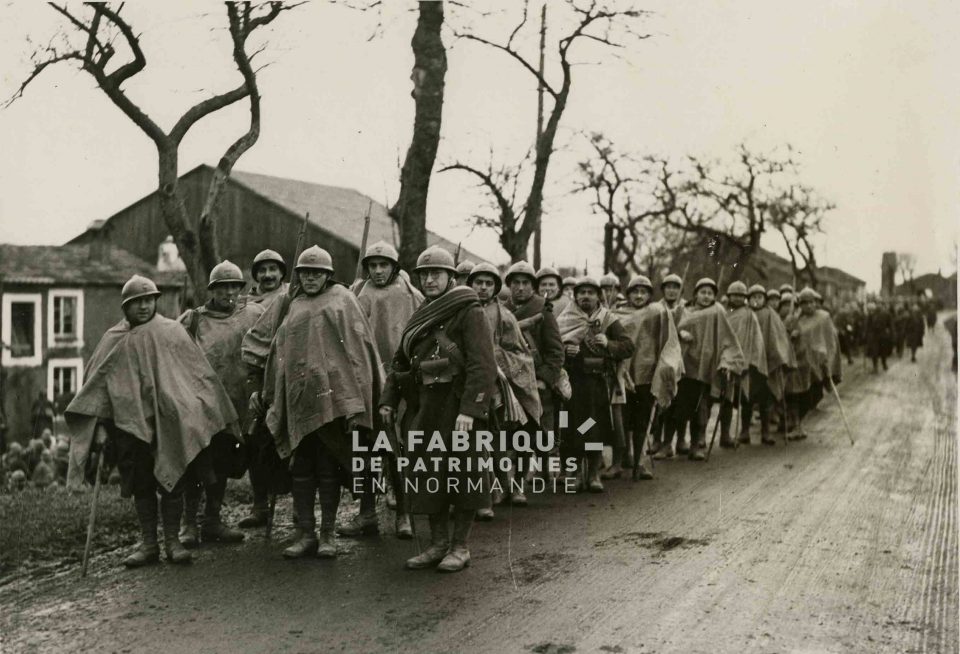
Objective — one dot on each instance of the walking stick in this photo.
(271, 508)
(716, 426)
(93, 517)
(843, 414)
(783, 405)
(653, 417)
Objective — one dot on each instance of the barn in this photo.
(261, 211)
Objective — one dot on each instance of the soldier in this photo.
(463, 271)
(322, 376)
(594, 341)
(446, 371)
(610, 296)
(746, 327)
(153, 397)
(538, 322)
(218, 327)
(388, 299)
(914, 327)
(765, 391)
(549, 288)
(569, 283)
(878, 330)
(516, 401)
(846, 323)
(787, 305)
(817, 350)
(711, 358)
(268, 271)
(665, 423)
(655, 367)
(773, 301)
(610, 289)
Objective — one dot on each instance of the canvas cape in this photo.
(779, 351)
(714, 346)
(575, 324)
(517, 377)
(817, 347)
(323, 365)
(747, 328)
(220, 335)
(154, 383)
(388, 309)
(268, 298)
(657, 359)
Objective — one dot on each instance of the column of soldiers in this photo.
(285, 381)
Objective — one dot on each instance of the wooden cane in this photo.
(843, 413)
(93, 517)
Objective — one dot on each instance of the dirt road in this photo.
(813, 547)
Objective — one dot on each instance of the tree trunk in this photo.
(174, 213)
(429, 70)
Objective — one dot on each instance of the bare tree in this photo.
(797, 215)
(608, 25)
(94, 34)
(906, 265)
(429, 71)
(636, 238)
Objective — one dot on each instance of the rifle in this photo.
(363, 243)
(456, 254)
(294, 277)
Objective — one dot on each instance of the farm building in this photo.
(261, 211)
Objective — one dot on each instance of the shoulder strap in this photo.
(193, 326)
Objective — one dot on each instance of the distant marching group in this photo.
(280, 382)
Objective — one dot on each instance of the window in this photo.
(65, 308)
(63, 378)
(20, 330)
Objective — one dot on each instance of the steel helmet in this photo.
(587, 280)
(737, 288)
(610, 280)
(226, 272)
(706, 281)
(816, 295)
(807, 295)
(786, 288)
(569, 281)
(315, 257)
(672, 278)
(463, 268)
(268, 255)
(640, 280)
(757, 289)
(486, 269)
(137, 286)
(547, 271)
(435, 257)
(773, 293)
(383, 250)
(521, 268)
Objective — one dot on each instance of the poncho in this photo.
(323, 366)
(575, 324)
(817, 348)
(154, 383)
(779, 351)
(388, 309)
(714, 346)
(514, 360)
(749, 335)
(657, 359)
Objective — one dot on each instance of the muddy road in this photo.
(816, 546)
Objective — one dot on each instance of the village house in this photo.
(55, 304)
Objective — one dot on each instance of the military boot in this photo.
(485, 514)
(765, 436)
(304, 493)
(365, 522)
(189, 534)
(517, 496)
(726, 417)
(327, 547)
(458, 557)
(594, 485)
(439, 542)
(213, 529)
(148, 551)
(171, 509)
(260, 511)
(403, 526)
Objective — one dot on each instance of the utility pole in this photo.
(538, 228)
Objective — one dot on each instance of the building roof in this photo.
(839, 276)
(73, 265)
(338, 210)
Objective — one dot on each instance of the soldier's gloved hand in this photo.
(464, 423)
(601, 340)
(386, 414)
(685, 336)
(571, 350)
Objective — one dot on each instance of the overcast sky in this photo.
(867, 92)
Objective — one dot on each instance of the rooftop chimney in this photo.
(99, 241)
